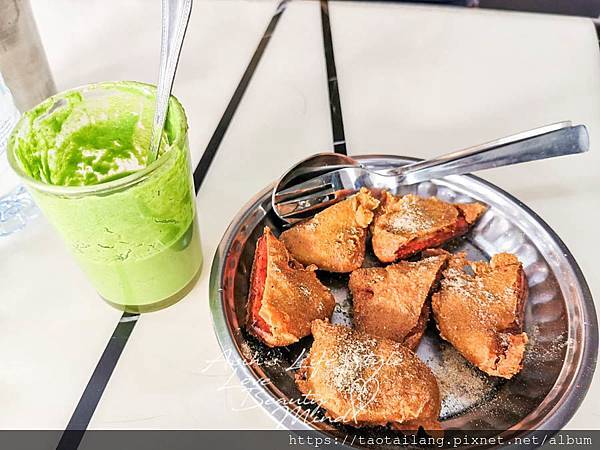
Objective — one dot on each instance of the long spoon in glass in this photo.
(175, 18)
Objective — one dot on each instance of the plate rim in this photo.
(264, 395)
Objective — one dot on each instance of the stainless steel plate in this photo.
(560, 319)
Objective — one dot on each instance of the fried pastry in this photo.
(393, 301)
(361, 380)
(481, 314)
(334, 239)
(284, 296)
(409, 224)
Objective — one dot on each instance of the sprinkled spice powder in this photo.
(348, 239)
(540, 352)
(461, 385)
(353, 359)
(474, 289)
(305, 290)
(357, 365)
(410, 221)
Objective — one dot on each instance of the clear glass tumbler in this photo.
(131, 226)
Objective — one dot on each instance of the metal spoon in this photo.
(296, 198)
(175, 18)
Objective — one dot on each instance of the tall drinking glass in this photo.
(131, 226)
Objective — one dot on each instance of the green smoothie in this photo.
(131, 226)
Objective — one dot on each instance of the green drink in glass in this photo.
(131, 226)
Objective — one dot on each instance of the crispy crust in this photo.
(284, 297)
(393, 301)
(334, 239)
(407, 225)
(482, 314)
(361, 380)
(413, 338)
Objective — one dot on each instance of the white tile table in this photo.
(413, 80)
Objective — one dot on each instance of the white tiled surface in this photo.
(419, 81)
(413, 80)
(283, 117)
(54, 326)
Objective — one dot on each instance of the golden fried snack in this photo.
(361, 380)
(334, 239)
(393, 301)
(481, 315)
(409, 224)
(284, 297)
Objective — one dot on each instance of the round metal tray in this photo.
(560, 319)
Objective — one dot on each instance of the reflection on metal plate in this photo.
(559, 319)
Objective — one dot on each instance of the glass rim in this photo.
(138, 175)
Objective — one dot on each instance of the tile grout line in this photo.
(92, 393)
(90, 398)
(217, 137)
(337, 123)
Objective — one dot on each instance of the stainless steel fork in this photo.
(549, 141)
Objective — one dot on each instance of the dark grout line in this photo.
(77, 426)
(92, 393)
(596, 23)
(217, 137)
(337, 122)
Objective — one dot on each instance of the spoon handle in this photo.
(540, 143)
(175, 18)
